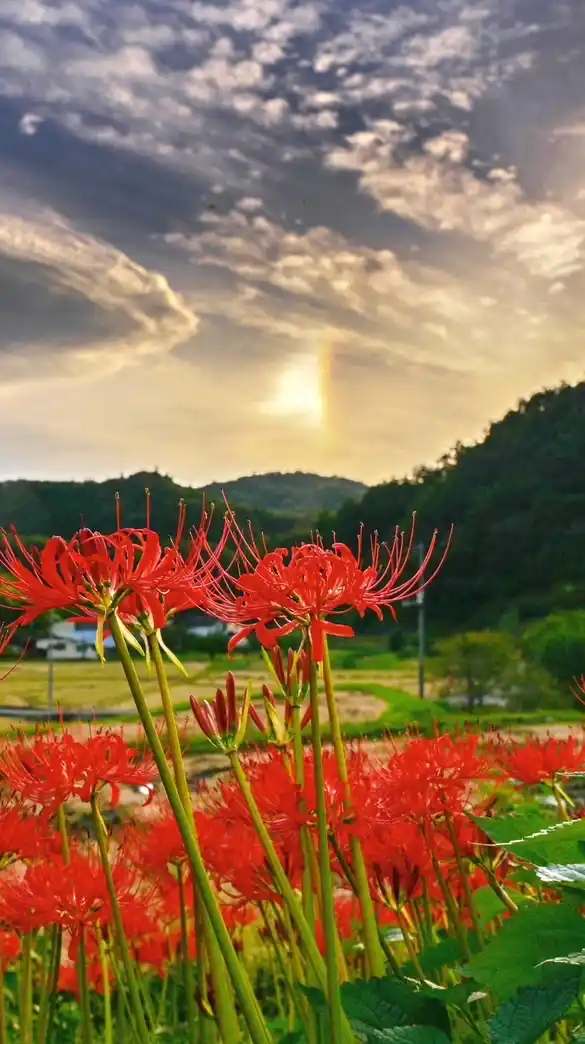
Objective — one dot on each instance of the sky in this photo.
(252, 235)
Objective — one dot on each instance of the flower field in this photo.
(430, 889)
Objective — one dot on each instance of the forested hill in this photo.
(517, 500)
(280, 503)
(297, 493)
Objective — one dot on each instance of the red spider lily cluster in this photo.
(332, 862)
(131, 574)
(414, 804)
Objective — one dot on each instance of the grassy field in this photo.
(376, 693)
(102, 687)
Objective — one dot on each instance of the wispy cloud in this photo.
(211, 190)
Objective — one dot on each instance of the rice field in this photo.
(92, 686)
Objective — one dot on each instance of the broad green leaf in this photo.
(514, 957)
(502, 830)
(404, 1035)
(540, 844)
(383, 1003)
(488, 905)
(294, 1037)
(442, 954)
(451, 996)
(529, 1013)
(576, 959)
(315, 997)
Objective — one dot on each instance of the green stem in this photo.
(206, 1025)
(3, 1030)
(258, 1029)
(108, 1025)
(280, 877)
(129, 971)
(62, 824)
(561, 800)
(50, 985)
(86, 1027)
(121, 1035)
(225, 1009)
(375, 954)
(187, 966)
(464, 879)
(307, 891)
(282, 961)
(26, 1011)
(327, 890)
(411, 949)
(499, 890)
(452, 910)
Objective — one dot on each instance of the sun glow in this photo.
(300, 391)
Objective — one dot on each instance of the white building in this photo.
(199, 625)
(72, 641)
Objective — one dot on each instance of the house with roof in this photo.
(68, 640)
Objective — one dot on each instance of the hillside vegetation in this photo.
(278, 503)
(516, 499)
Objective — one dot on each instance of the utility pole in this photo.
(420, 602)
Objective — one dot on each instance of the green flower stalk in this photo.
(136, 1006)
(375, 954)
(226, 1012)
(258, 1030)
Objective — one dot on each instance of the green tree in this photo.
(557, 644)
(478, 664)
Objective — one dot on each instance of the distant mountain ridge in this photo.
(278, 502)
(296, 493)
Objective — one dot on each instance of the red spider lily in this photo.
(540, 761)
(430, 777)
(275, 726)
(72, 894)
(246, 877)
(225, 827)
(304, 588)
(224, 721)
(398, 862)
(9, 948)
(23, 835)
(111, 761)
(156, 845)
(52, 769)
(95, 574)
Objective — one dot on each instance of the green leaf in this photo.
(575, 959)
(536, 934)
(294, 1037)
(531, 1011)
(385, 1003)
(537, 841)
(404, 1035)
(488, 905)
(442, 954)
(502, 830)
(315, 997)
(572, 874)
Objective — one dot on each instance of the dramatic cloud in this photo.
(210, 212)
